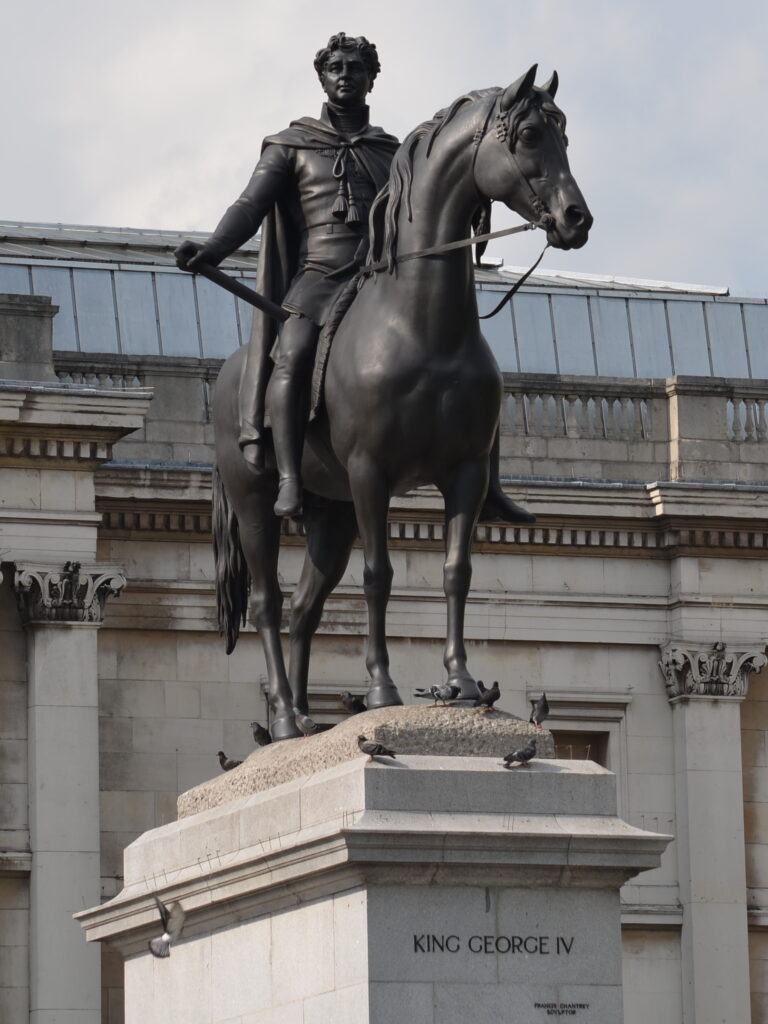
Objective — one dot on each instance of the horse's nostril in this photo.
(575, 216)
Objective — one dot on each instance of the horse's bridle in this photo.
(498, 120)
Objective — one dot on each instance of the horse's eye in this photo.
(529, 135)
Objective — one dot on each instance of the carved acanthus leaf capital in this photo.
(74, 593)
(709, 670)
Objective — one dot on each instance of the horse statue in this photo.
(412, 390)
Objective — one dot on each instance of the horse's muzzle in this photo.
(570, 230)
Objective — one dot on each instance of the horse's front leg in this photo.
(330, 531)
(463, 492)
(370, 492)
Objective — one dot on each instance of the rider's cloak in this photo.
(281, 270)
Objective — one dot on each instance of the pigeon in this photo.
(260, 734)
(173, 918)
(305, 724)
(373, 749)
(445, 692)
(521, 756)
(487, 697)
(227, 763)
(539, 710)
(352, 705)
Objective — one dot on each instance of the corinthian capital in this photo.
(74, 593)
(709, 670)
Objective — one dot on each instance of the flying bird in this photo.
(487, 697)
(352, 705)
(445, 692)
(521, 756)
(227, 763)
(305, 724)
(373, 749)
(260, 734)
(539, 710)
(172, 917)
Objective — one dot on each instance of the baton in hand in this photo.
(231, 284)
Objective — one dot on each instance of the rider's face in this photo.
(345, 79)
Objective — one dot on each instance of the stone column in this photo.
(706, 683)
(61, 611)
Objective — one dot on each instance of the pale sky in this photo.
(149, 113)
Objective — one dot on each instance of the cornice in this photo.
(51, 423)
(424, 529)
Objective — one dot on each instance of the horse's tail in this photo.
(232, 577)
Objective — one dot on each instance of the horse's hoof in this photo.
(284, 729)
(384, 695)
(468, 689)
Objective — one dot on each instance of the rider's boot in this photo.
(497, 506)
(286, 414)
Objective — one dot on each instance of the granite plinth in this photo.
(434, 730)
(430, 889)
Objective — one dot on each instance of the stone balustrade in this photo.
(553, 425)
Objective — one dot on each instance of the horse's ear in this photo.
(551, 86)
(518, 89)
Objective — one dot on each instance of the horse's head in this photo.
(521, 160)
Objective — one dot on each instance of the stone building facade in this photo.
(634, 425)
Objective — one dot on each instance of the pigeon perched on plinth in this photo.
(373, 749)
(260, 734)
(539, 710)
(172, 918)
(227, 763)
(444, 692)
(521, 756)
(304, 723)
(487, 697)
(352, 705)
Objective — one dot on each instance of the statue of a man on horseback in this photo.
(412, 391)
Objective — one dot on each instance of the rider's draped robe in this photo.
(295, 190)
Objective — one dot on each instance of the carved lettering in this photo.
(436, 943)
(528, 945)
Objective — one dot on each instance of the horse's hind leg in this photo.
(371, 494)
(260, 539)
(331, 530)
(463, 493)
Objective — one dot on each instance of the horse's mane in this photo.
(385, 209)
(387, 205)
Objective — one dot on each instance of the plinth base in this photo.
(429, 890)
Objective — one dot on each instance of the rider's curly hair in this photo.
(341, 41)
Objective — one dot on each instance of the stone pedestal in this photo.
(430, 889)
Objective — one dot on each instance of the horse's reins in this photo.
(539, 206)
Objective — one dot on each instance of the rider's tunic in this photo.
(313, 188)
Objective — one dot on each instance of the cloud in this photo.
(151, 113)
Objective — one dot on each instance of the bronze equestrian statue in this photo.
(412, 391)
